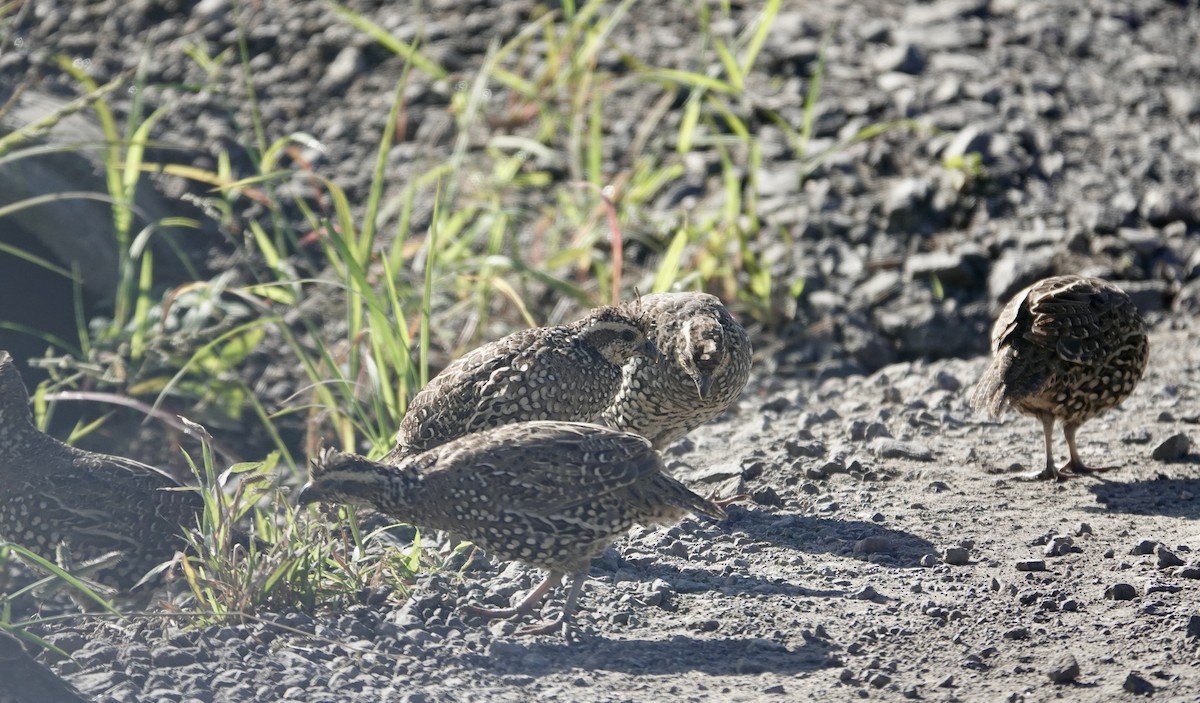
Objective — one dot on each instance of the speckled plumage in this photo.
(703, 365)
(1067, 348)
(550, 494)
(24, 680)
(569, 372)
(93, 504)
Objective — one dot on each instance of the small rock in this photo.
(1064, 669)
(928, 560)
(1189, 572)
(956, 556)
(1145, 546)
(1016, 633)
(904, 58)
(777, 689)
(1193, 627)
(1031, 565)
(1137, 685)
(888, 448)
(767, 496)
(873, 545)
(1173, 448)
(1083, 529)
(867, 593)
(879, 679)
(1058, 546)
(1167, 558)
(1120, 591)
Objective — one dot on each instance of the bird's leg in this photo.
(1075, 465)
(562, 622)
(1051, 471)
(527, 604)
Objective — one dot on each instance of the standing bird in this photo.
(1066, 348)
(94, 506)
(704, 364)
(550, 494)
(570, 372)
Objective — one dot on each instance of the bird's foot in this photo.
(1050, 473)
(496, 613)
(559, 625)
(1077, 469)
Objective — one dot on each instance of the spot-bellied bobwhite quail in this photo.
(92, 504)
(703, 365)
(569, 372)
(1066, 348)
(550, 494)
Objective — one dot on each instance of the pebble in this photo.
(887, 448)
(1058, 546)
(874, 545)
(1120, 591)
(1145, 546)
(1031, 565)
(1173, 448)
(956, 556)
(1166, 558)
(1137, 685)
(1064, 669)
(1193, 627)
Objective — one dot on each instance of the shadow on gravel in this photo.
(855, 539)
(681, 653)
(1172, 497)
(702, 581)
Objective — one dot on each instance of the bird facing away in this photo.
(570, 372)
(703, 365)
(550, 494)
(93, 505)
(25, 680)
(1067, 348)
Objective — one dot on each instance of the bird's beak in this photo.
(308, 494)
(650, 349)
(703, 384)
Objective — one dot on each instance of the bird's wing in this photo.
(451, 400)
(1076, 316)
(544, 466)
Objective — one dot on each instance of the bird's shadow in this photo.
(689, 580)
(1162, 495)
(679, 654)
(818, 535)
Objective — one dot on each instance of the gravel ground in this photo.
(887, 551)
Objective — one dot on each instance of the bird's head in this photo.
(339, 477)
(618, 337)
(702, 350)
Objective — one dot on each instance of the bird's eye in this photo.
(627, 335)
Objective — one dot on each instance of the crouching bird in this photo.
(551, 494)
(1067, 348)
(120, 515)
